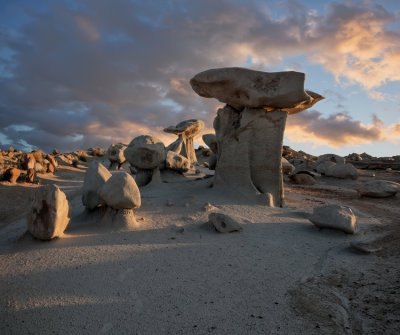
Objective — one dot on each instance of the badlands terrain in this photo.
(173, 273)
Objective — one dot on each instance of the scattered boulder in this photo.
(224, 223)
(116, 155)
(354, 157)
(52, 161)
(344, 171)
(12, 175)
(335, 217)
(379, 189)
(177, 162)
(324, 166)
(303, 179)
(186, 130)
(332, 158)
(49, 214)
(146, 153)
(39, 168)
(287, 168)
(27, 161)
(120, 192)
(95, 177)
(39, 155)
(99, 152)
(55, 152)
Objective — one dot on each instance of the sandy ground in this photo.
(176, 275)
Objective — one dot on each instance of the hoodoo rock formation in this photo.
(249, 129)
(186, 130)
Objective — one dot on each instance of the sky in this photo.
(88, 73)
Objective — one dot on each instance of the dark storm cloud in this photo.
(86, 73)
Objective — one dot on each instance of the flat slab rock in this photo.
(189, 128)
(224, 223)
(240, 87)
(379, 189)
(335, 217)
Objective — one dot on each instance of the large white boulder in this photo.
(96, 175)
(379, 189)
(335, 217)
(120, 192)
(344, 171)
(49, 213)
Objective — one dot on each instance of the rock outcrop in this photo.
(146, 153)
(95, 177)
(249, 129)
(49, 214)
(186, 130)
(335, 217)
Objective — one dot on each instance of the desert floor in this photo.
(174, 274)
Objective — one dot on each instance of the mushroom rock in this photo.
(211, 141)
(49, 214)
(120, 192)
(379, 189)
(187, 130)
(116, 155)
(177, 162)
(96, 176)
(249, 129)
(146, 153)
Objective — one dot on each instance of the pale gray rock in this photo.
(119, 219)
(120, 192)
(332, 158)
(379, 189)
(186, 130)
(323, 166)
(335, 217)
(287, 168)
(49, 214)
(177, 162)
(240, 87)
(343, 171)
(96, 176)
(146, 153)
(224, 223)
(116, 155)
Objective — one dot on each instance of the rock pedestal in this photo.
(249, 129)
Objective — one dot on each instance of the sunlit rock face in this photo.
(249, 129)
(186, 130)
(96, 176)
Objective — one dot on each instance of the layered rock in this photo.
(95, 177)
(146, 153)
(49, 214)
(186, 130)
(249, 129)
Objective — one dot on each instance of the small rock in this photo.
(12, 175)
(364, 247)
(379, 189)
(303, 179)
(208, 207)
(224, 223)
(335, 217)
(197, 171)
(169, 203)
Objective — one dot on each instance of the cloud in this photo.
(335, 130)
(89, 73)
